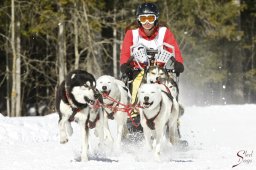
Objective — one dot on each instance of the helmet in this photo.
(147, 8)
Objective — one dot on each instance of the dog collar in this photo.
(70, 102)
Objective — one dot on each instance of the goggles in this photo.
(147, 18)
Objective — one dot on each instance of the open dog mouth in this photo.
(89, 101)
(105, 93)
(147, 104)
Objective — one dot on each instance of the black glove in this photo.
(126, 68)
(178, 67)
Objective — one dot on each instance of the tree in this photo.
(206, 30)
(15, 44)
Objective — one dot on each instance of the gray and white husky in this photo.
(157, 74)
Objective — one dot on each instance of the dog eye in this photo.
(85, 85)
(153, 92)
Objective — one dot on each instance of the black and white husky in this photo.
(75, 99)
(115, 95)
(159, 110)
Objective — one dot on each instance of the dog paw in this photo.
(63, 141)
(149, 147)
(183, 143)
(157, 156)
(84, 158)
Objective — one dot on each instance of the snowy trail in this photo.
(215, 135)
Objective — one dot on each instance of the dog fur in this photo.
(158, 112)
(156, 74)
(75, 98)
(116, 89)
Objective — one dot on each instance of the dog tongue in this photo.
(105, 93)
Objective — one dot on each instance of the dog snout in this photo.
(146, 98)
(104, 87)
(96, 94)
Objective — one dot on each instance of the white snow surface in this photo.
(216, 136)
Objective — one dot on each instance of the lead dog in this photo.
(75, 97)
(158, 110)
(111, 88)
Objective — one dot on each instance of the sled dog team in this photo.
(90, 103)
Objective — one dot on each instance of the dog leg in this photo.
(125, 131)
(107, 134)
(173, 124)
(159, 137)
(120, 128)
(147, 135)
(62, 130)
(82, 118)
(84, 156)
(173, 133)
(99, 132)
(69, 128)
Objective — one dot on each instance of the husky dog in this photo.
(115, 94)
(75, 97)
(156, 74)
(158, 110)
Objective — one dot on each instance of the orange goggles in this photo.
(147, 18)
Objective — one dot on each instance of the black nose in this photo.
(104, 87)
(146, 98)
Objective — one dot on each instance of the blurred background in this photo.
(40, 41)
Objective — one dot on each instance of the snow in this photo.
(215, 135)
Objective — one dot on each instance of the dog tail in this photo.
(69, 128)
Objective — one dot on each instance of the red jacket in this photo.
(129, 39)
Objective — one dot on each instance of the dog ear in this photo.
(73, 76)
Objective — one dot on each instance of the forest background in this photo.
(41, 41)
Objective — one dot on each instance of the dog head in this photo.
(155, 74)
(106, 85)
(81, 87)
(149, 95)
